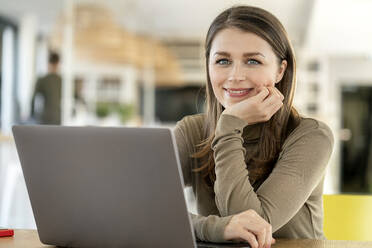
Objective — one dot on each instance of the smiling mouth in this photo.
(238, 92)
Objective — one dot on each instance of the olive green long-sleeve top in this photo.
(290, 199)
(50, 88)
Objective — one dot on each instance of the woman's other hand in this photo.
(248, 226)
(258, 108)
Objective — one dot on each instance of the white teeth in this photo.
(237, 91)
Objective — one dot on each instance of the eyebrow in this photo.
(244, 54)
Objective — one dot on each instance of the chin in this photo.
(226, 103)
(230, 103)
(224, 106)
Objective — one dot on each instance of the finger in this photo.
(275, 108)
(272, 94)
(271, 100)
(258, 226)
(268, 236)
(249, 237)
(276, 92)
(271, 109)
(273, 241)
(262, 94)
(261, 237)
(280, 93)
(260, 232)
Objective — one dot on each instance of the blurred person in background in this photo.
(255, 165)
(46, 100)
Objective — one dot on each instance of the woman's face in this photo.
(240, 63)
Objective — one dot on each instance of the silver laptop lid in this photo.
(105, 187)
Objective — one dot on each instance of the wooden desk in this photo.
(30, 239)
(22, 238)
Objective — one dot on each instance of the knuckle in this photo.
(266, 116)
(269, 227)
(250, 212)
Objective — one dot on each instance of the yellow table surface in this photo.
(30, 239)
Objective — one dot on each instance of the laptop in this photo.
(106, 187)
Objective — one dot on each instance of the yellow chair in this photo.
(348, 217)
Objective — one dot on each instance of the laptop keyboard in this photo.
(225, 245)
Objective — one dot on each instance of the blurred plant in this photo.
(124, 111)
(102, 109)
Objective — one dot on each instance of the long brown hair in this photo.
(274, 131)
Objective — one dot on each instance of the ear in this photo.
(282, 68)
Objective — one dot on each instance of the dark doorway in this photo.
(5, 24)
(357, 147)
(173, 103)
(2, 27)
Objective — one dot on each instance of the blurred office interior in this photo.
(140, 62)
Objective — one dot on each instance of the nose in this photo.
(237, 74)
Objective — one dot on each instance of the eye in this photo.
(253, 62)
(223, 62)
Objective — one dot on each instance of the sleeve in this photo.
(210, 228)
(183, 151)
(36, 91)
(299, 169)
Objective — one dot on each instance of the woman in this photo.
(256, 167)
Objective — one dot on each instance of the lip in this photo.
(244, 92)
(238, 88)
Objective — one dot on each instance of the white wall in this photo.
(26, 58)
(340, 27)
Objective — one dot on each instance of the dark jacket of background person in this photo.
(49, 87)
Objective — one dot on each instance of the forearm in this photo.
(233, 190)
(210, 228)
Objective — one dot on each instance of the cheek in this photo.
(262, 78)
(217, 80)
(216, 76)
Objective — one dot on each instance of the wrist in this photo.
(231, 115)
(228, 124)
